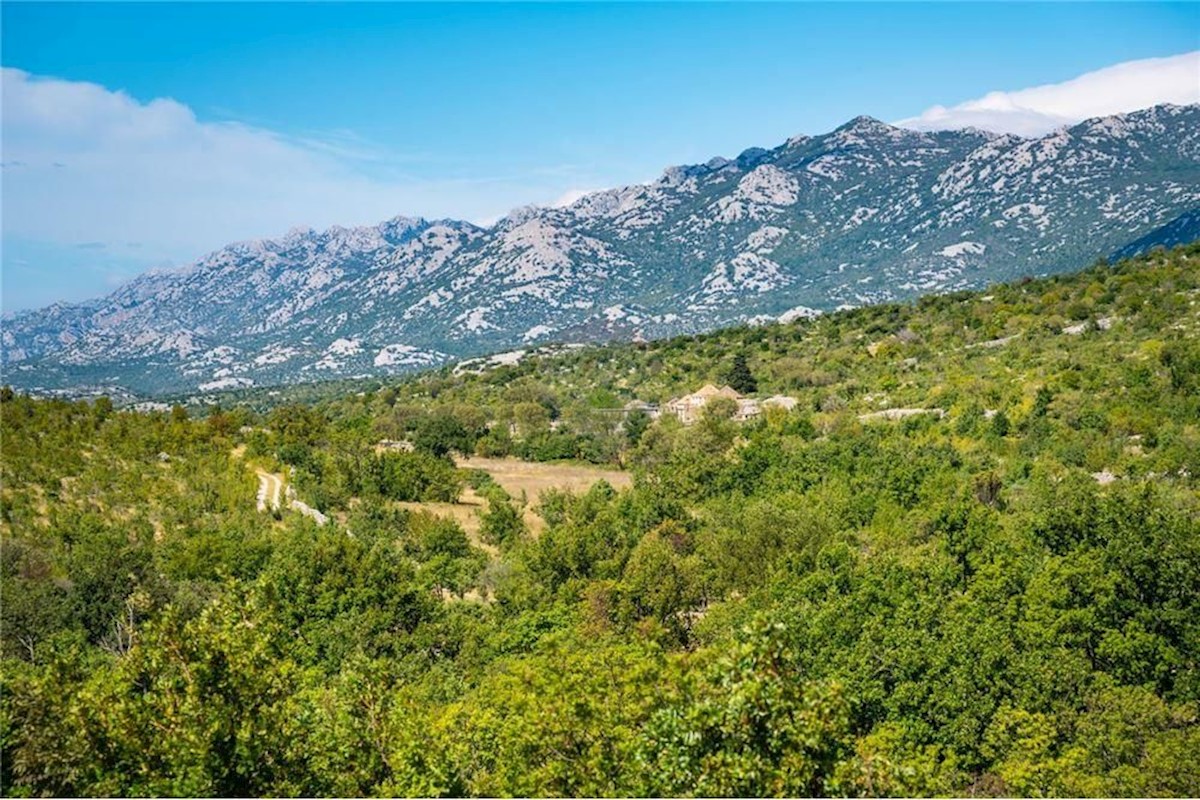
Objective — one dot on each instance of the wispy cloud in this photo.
(84, 163)
(1121, 88)
(92, 159)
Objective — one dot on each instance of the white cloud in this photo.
(83, 163)
(1121, 88)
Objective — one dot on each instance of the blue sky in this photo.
(173, 129)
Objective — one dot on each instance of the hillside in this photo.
(867, 213)
(1001, 599)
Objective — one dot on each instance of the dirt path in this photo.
(519, 478)
(270, 490)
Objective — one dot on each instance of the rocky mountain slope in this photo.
(866, 213)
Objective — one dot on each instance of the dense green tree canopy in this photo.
(997, 594)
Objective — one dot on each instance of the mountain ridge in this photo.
(868, 212)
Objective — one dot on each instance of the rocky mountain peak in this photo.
(866, 213)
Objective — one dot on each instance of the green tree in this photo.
(440, 434)
(561, 722)
(751, 726)
(739, 376)
(636, 423)
(501, 523)
(1000, 424)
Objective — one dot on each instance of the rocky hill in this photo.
(866, 213)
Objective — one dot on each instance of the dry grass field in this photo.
(520, 479)
(518, 476)
(465, 512)
(528, 479)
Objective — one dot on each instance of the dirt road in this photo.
(270, 490)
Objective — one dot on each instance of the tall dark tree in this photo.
(635, 425)
(438, 434)
(739, 376)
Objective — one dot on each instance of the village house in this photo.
(747, 408)
(689, 407)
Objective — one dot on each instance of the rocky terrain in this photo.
(866, 213)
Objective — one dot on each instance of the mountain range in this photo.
(866, 213)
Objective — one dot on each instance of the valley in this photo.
(964, 561)
(599, 400)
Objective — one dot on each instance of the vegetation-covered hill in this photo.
(1000, 599)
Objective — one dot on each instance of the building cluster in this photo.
(689, 408)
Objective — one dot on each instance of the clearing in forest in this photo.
(532, 478)
(465, 511)
(517, 477)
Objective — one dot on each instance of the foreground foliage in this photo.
(1004, 599)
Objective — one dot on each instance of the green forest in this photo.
(997, 596)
